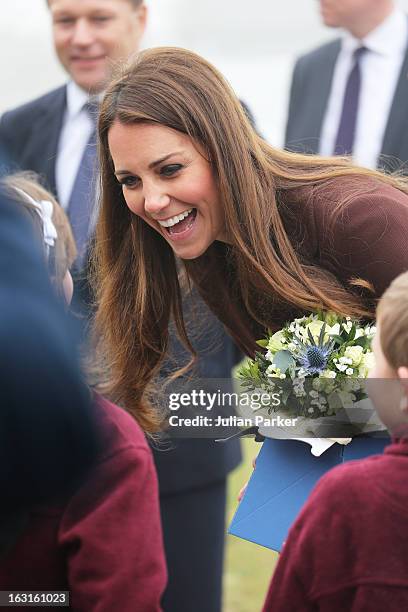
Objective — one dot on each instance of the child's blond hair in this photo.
(64, 251)
(392, 316)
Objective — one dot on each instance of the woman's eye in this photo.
(130, 181)
(170, 170)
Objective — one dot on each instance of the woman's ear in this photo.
(403, 378)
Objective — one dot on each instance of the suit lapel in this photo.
(45, 135)
(395, 139)
(322, 86)
(309, 98)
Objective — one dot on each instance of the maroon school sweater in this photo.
(104, 543)
(348, 549)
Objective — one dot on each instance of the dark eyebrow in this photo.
(152, 165)
(163, 159)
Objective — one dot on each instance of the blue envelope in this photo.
(285, 473)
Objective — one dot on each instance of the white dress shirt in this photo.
(380, 69)
(75, 133)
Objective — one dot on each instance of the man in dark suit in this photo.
(55, 134)
(350, 95)
(49, 136)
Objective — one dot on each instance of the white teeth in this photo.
(174, 220)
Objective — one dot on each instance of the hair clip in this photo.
(45, 209)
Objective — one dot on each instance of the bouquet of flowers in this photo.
(316, 364)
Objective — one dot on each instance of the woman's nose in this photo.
(155, 201)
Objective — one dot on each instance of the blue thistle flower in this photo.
(313, 357)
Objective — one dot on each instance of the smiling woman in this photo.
(267, 235)
(168, 182)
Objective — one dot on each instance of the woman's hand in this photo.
(244, 488)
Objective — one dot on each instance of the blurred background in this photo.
(253, 43)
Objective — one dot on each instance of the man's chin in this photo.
(330, 22)
(91, 84)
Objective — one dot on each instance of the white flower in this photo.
(317, 383)
(347, 399)
(352, 384)
(328, 374)
(298, 386)
(354, 354)
(349, 371)
(320, 403)
(302, 320)
(367, 364)
(334, 330)
(325, 385)
(276, 342)
(273, 372)
(299, 332)
(315, 328)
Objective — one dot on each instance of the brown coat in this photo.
(366, 238)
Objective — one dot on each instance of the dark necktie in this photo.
(82, 199)
(348, 120)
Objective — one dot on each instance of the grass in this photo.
(248, 567)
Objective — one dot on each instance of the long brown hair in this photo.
(245, 282)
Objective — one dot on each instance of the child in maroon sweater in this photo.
(348, 549)
(102, 541)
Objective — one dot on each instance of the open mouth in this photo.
(184, 225)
